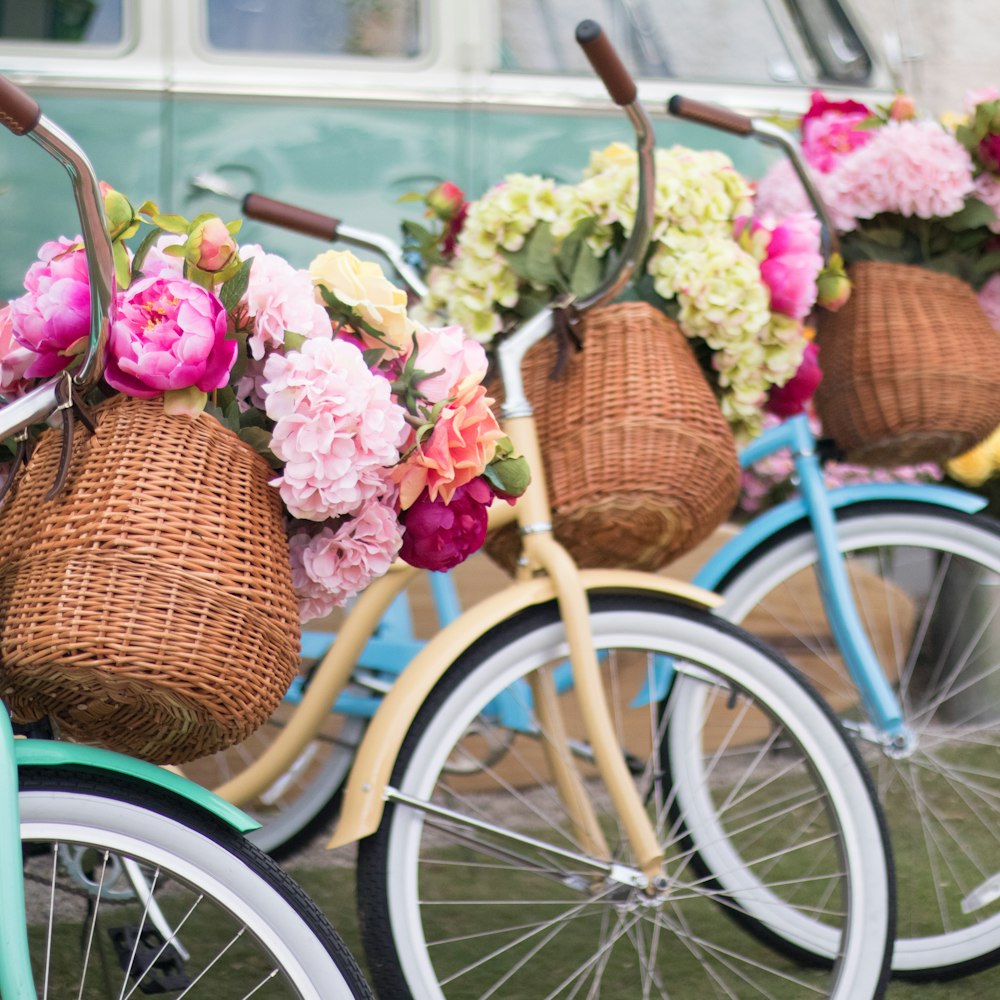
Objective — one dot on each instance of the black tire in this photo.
(98, 843)
(450, 910)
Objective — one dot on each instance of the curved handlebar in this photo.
(732, 121)
(710, 114)
(299, 220)
(18, 112)
(605, 62)
(21, 114)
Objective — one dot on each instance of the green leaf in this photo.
(987, 264)
(123, 267)
(410, 196)
(975, 213)
(293, 341)
(260, 440)
(235, 288)
(586, 274)
(535, 262)
(171, 223)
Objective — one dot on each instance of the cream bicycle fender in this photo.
(364, 798)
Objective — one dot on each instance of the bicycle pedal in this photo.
(156, 965)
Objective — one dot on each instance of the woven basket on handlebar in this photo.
(640, 463)
(149, 607)
(911, 367)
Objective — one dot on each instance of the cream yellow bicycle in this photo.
(516, 796)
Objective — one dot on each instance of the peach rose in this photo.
(362, 287)
(462, 444)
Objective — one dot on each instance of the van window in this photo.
(376, 28)
(87, 22)
(760, 42)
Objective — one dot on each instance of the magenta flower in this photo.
(791, 398)
(53, 318)
(988, 152)
(792, 263)
(439, 537)
(170, 334)
(830, 131)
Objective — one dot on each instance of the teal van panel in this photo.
(349, 161)
(123, 138)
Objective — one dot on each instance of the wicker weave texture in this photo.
(148, 608)
(641, 464)
(911, 367)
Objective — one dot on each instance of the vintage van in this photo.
(344, 105)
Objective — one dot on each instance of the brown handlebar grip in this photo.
(18, 111)
(603, 57)
(709, 114)
(299, 220)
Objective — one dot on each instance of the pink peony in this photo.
(437, 536)
(791, 398)
(53, 318)
(461, 445)
(913, 168)
(14, 359)
(449, 357)
(336, 428)
(792, 262)
(170, 334)
(280, 298)
(830, 131)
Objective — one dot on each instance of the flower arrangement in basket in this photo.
(638, 427)
(268, 440)
(911, 364)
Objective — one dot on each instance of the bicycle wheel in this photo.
(129, 890)
(305, 799)
(515, 906)
(927, 582)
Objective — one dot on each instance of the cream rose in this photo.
(361, 285)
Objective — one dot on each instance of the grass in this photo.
(333, 890)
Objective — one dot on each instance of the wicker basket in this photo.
(911, 367)
(641, 464)
(149, 607)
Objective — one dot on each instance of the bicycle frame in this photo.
(820, 505)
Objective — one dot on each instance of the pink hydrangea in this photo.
(280, 298)
(169, 334)
(334, 564)
(336, 428)
(15, 360)
(158, 264)
(53, 318)
(989, 299)
(830, 130)
(449, 357)
(439, 536)
(913, 168)
(987, 190)
(791, 263)
(780, 193)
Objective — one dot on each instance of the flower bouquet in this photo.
(259, 428)
(911, 364)
(721, 296)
